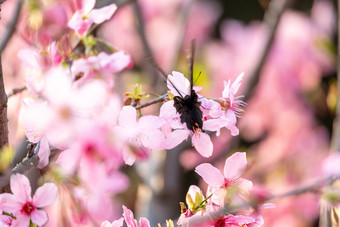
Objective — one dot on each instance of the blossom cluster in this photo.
(86, 136)
(224, 190)
(72, 107)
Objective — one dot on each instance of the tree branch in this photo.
(309, 186)
(16, 91)
(3, 111)
(271, 20)
(11, 26)
(156, 100)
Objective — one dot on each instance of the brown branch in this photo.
(3, 111)
(16, 91)
(271, 20)
(140, 26)
(154, 101)
(11, 26)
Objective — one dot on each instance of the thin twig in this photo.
(16, 91)
(11, 26)
(156, 100)
(271, 20)
(147, 49)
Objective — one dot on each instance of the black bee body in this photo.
(188, 105)
(189, 109)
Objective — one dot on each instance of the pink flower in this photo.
(232, 107)
(331, 164)
(85, 16)
(6, 220)
(233, 169)
(131, 222)
(116, 223)
(101, 66)
(177, 83)
(23, 206)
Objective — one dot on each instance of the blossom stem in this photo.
(156, 100)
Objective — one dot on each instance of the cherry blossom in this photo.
(131, 222)
(101, 66)
(233, 169)
(23, 206)
(85, 16)
(143, 133)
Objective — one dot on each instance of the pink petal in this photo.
(244, 185)
(127, 117)
(180, 82)
(30, 58)
(44, 153)
(100, 15)
(45, 195)
(87, 6)
(39, 217)
(235, 165)
(226, 91)
(153, 139)
(20, 187)
(202, 143)
(128, 157)
(210, 174)
(116, 61)
(9, 203)
(69, 159)
(150, 122)
(143, 222)
(239, 220)
(128, 216)
(237, 83)
(174, 138)
(116, 223)
(168, 110)
(100, 206)
(21, 221)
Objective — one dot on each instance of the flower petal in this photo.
(21, 220)
(9, 203)
(202, 143)
(235, 165)
(237, 83)
(143, 222)
(20, 187)
(44, 153)
(45, 195)
(39, 217)
(127, 117)
(153, 139)
(174, 138)
(179, 85)
(116, 223)
(210, 174)
(128, 216)
(98, 16)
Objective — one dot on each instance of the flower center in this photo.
(220, 222)
(28, 208)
